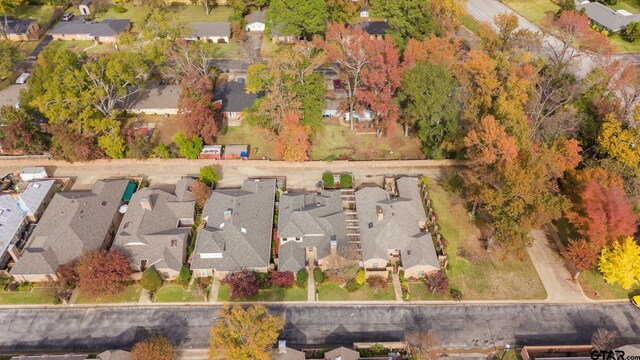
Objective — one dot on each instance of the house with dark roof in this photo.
(72, 224)
(311, 230)
(393, 229)
(256, 21)
(607, 18)
(232, 99)
(215, 32)
(238, 230)
(375, 29)
(21, 30)
(18, 209)
(155, 99)
(106, 31)
(154, 231)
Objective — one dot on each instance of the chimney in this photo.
(145, 202)
(380, 212)
(282, 346)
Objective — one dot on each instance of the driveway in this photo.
(44, 42)
(557, 280)
(455, 326)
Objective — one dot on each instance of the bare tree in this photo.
(422, 342)
(186, 58)
(604, 339)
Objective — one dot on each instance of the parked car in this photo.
(636, 301)
(337, 84)
(22, 79)
(67, 17)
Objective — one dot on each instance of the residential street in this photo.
(232, 172)
(455, 326)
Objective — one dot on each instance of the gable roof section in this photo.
(605, 16)
(374, 27)
(399, 226)
(343, 352)
(257, 16)
(107, 27)
(155, 96)
(317, 219)
(147, 234)
(233, 96)
(239, 224)
(203, 29)
(18, 27)
(74, 222)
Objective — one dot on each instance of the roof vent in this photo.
(145, 203)
(408, 252)
(380, 212)
(370, 225)
(228, 213)
(243, 230)
(104, 203)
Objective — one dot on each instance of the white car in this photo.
(22, 79)
(67, 17)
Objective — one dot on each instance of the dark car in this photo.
(67, 17)
(337, 84)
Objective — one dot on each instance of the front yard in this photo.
(271, 294)
(130, 295)
(479, 275)
(332, 291)
(36, 295)
(175, 293)
(596, 288)
(79, 46)
(532, 10)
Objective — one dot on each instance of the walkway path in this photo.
(311, 285)
(397, 287)
(74, 296)
(215, 287)
(145, 297)
(553, 273)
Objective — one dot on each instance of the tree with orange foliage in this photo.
(572, 28)
(292, 142)
(201, 192)
(103, 272)
(156, 348)
(582, 254)
(434, 49)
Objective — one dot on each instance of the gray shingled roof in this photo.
(256, 16)
(147, 234)
(606, 16)
(398, 228)
(18, 27)
(107, 27)
(317, 219)
(243, 238)
(288, 354)
(374, 27)
(155, 96)
(233, 96)
(343, 352)
(73, 223)
(203, 29)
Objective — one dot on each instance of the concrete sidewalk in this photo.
(397, 287)
(557, 280)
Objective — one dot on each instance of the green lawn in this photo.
(470, 23)
(175, 293)
(623, 46)
(82, 45)
(258, 140)
(42, 13)
(592, 283)
(418, 291)
(26, 47)
(632, 6)
(273, 294)
(508, 355)
(268, 48)
(230, 50)
(477, 274)
(37, 295)
(533, 10)
(331, 291)
(130, 295)
(338, 142)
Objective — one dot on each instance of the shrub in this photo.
(378, 349)
(327, 179)
(352, 285)
(151, 280)
(188, 148)
(302, 277)
(632, 32)
(185, 275)
(437, 281)
(103, 272)
(264, 279)
(401, 275)
(318, 276)
(161, 152)
(208, 175)
(453, 183)
(583, 255)
(283, 279)
(243, 284)
(119, 9)
(346, 181)
(360, 277)
(377, 282)
(455, 294)
(157, 348)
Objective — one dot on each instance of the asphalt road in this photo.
(455, 326)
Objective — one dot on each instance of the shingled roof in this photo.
(314, 219)
(204, 29)
(73, 223)
(233, 96)
(614, 20)
(147, 234)
(238, 228)
(18, 27)
(107, 27)
(397, 226)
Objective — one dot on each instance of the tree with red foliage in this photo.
(103, 272)
(347, 54)
(381, 79)
(572, 28)
(195, 108)
(200, 192)
(284, 279)
(243, 284)
(156, 348)
(437, 281)
(19, 132)
(603, 214)
(70, 145)
(292, 142)
(377, 282)
(434, 49)
(582, 254)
